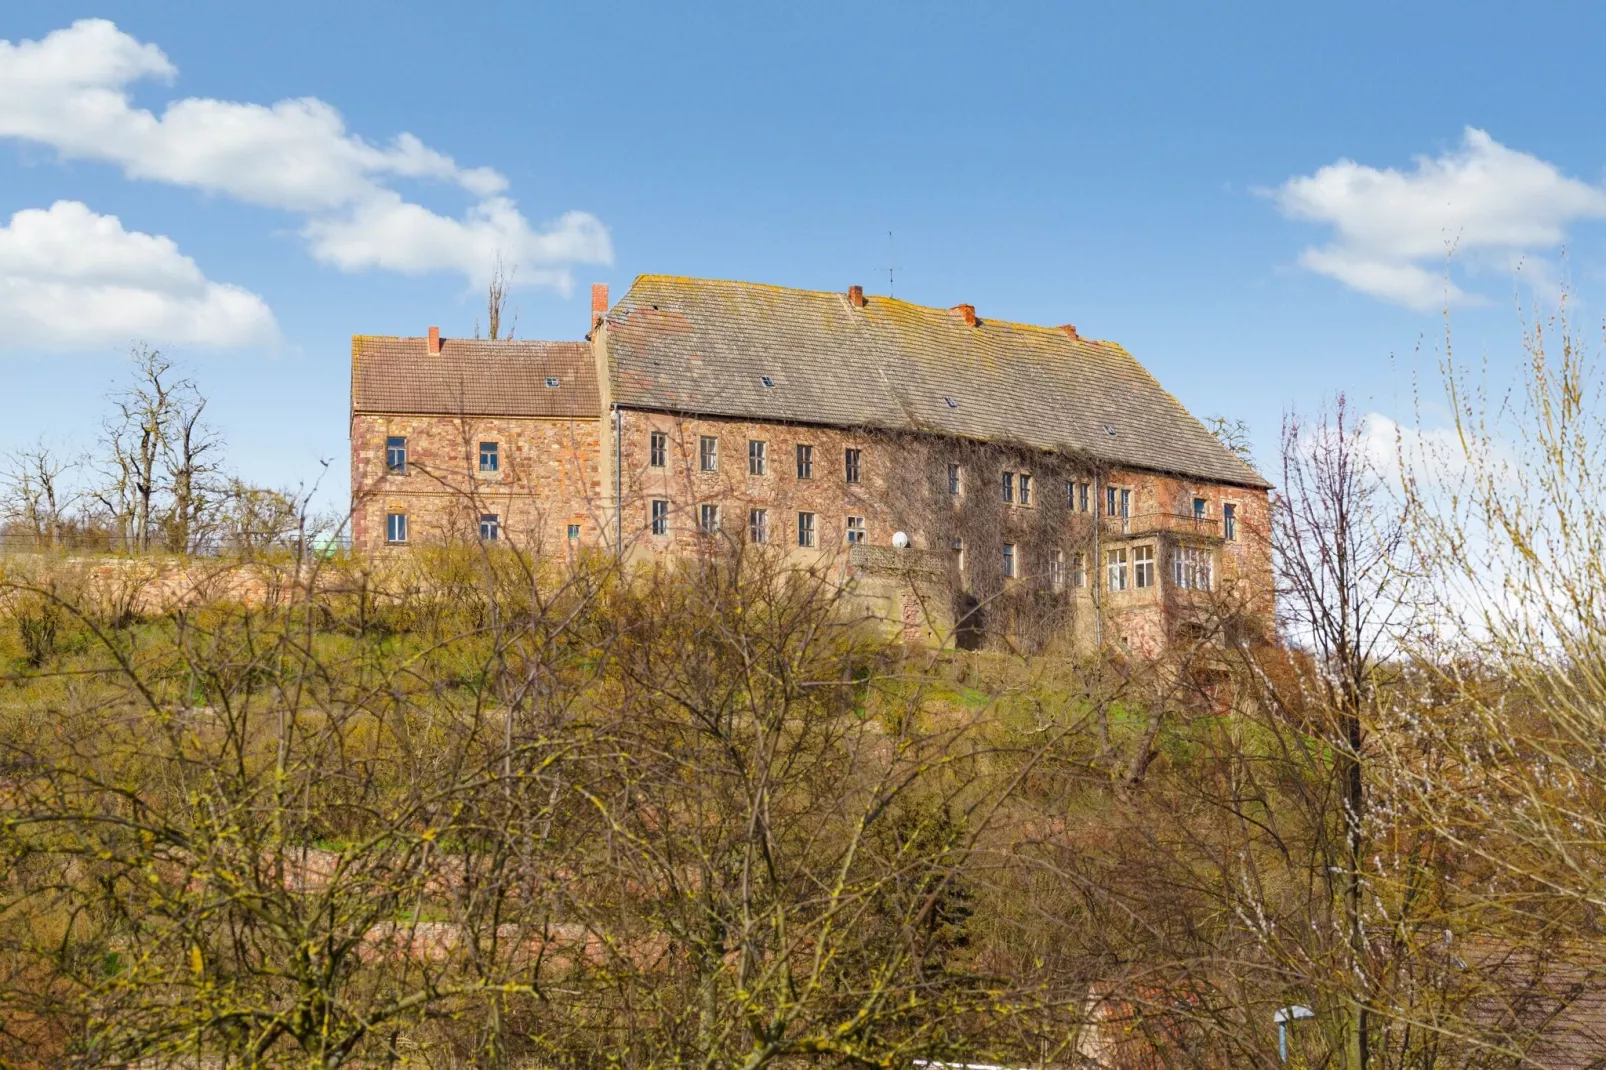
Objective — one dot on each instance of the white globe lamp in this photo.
(900, 539)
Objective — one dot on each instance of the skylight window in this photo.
(1109, 429)
(951, 403)
(769, 384)
(552, 382)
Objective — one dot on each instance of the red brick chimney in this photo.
(966, 313)
(434, 341)
(599, 301)
(1070, 331)
(856, 296)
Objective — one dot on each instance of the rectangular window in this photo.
(396, 456)
(708, 519)
(1056, 570)
(1009, 560)
(959, 554)
(574, 531)
(1229, 522)
(1193, 567)
(758, 525)
(395, 527)
(1116, 562)
(850, 465)
(708, 453)
(658, 449)
(1117, 501)
(1109, 501)
(1070, 495)
(805, 462)
(1082, 490)
(855, 530)
(953, 479)
(1126, 502)
(1143, 566)
(490, 457)
(1199, 508)
(757, 457)
(1025, 485)
(805, 529)
(660, 516)
(1078, 570)
(1008, 486)
(490, 527)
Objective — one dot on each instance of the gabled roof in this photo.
(701, 346)
(473, 378)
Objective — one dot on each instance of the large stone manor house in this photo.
(974, 480)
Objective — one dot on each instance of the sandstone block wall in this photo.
(548, 479)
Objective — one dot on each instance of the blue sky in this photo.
(1254, 200)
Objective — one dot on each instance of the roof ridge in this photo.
(886, 298)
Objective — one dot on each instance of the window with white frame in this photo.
(805, 529)
(708, 519)
(396, 454)
(490, 527)
(708, 453)
(1193, 567)
(1023, 484)
(395, 527)
(1078, 570)
(658, 449)
(660, 516)
(490, 457)
(758, 461)
(758, 525)
(1056, 570)
(1201, 508)
(850, 465)
(1007, 486)
(1009, 560)
(855, 530)
(1229, 522)
(1115, 566)
(1143, 566)
(805, 461)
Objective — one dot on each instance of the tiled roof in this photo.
(473, 378)
(701, 346)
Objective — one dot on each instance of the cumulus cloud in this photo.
(70, 91)
(72, 279)
(1395, 229)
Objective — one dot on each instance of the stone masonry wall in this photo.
(547, 480)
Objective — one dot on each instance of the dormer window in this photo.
(552, 382)
(769, 384)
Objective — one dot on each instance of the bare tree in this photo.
(190, 456)
(1234, 434)
(1339, 539)
(496, 299)
(154, 442)
(38, 492)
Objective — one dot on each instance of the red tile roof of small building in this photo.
(472, 377)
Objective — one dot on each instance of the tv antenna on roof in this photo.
(891, 263)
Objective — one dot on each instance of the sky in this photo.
(1264, 204)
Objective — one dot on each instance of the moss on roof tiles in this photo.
(699, 345)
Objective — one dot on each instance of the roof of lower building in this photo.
(753, 351)
(470, 377)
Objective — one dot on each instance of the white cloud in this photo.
(72, 279)
(1395, 230)
(70, 91)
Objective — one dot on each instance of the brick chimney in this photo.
(1070, 332)
(434, 341)
(599, 301)
(966, 313)
(856, 296)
